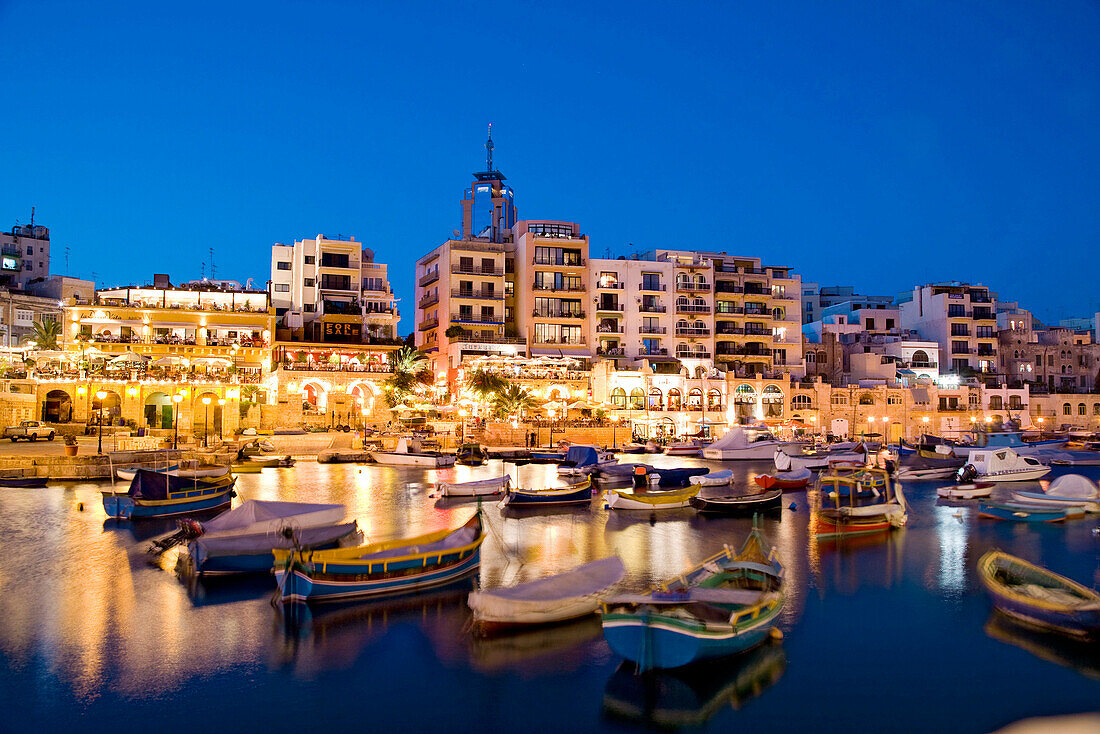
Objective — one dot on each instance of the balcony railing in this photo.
(603, 306)
(691, 308)
(556, 314)
(428, 324)
(656, 351)
(651, 308)
(652, 287)
(757, 331)
(723, 330)
(611, 351)
(476, 337)
(476, 246)
(725, 286)
(573, 342)
(611, 286)
(428, 278)
(610, 330)
(473, 318)
(559, 262)
(494, 294)
(428, 300)
(460, 269)
(729, 311)
(683, 353)
(562, 288)
(652, 329)
(692, 331)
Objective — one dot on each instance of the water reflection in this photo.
(692, 695)
(552, 649)
(1083, 657)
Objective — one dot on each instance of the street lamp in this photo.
(177, 399)
(205, 419)
(221, 427)
(101, 394)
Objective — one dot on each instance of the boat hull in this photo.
(579, 495)
(746, 505)
(394, 458)
(634, 501)
(760, 451)
(656, 641)
(771, 481)
(966, 491)
(1057, 501)
(1081, 619)
(1018, 513)
(124, 507)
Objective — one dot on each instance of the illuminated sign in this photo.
(349, 333)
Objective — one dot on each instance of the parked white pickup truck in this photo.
(29, 431)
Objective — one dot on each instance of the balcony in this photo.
(605, 329)
(13, 250)
(428, 278)
(656, 351)
(987, 352)
(687, 354)
(556, 314)
(651, 308)
(493, 295)
(605, 306)
(611, 351)
(472, 318)
(757, 331)
(962, 350)
(428, 324)
(692, 331)
(615, 286)
(691, 308)
(686, 287)
(729, 311)
(476, 246)
(725, 286)
(562, 288)
(652, 287)
(749, 311)
(723, 330)
(652, 329)
(428, 300)
(751, 290)
(459, 269)
(558, 262)
(476, 337)
(578, 341)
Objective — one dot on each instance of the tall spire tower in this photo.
(488, 206)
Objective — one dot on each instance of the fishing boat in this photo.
(787, 481)
(574, 494)
(204, 472)
(849, 514)
(670, 500)
(713, 479)
(1050, 500)
(633, 448)
(265, 461)
(722, 606)
(784, 461)
(151, 494)
(1037, 596)
(471, 454)
(242, 540)
(581, 460)
(380, 569)
(547, 457)
(740, 445)
(1027, 512)
(744, 504)
(846, 479)
(684, 448)
(923, 468)
(1003, 465)
(1068, 490)
(476, 488)
(678, 477)
(969, 491)
(408, 452)
(23, 482)
(558, 598)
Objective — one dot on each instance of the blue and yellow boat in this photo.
(573, 494)
(1039, 597)
(725, 605)
(387, 568)
(156, 494)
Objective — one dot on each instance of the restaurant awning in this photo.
(920, 395)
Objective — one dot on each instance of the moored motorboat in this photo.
(558, 598)
(670, 500)
(581, 460)
(784, 461)
(678, 477)
(684, 448)
(160, 495)
(574, 494)
(743, 504)
(476, 488)
(1038, 596)
(471, 454)
(722, 606)
(242, 540)
(969, 491)
(1001, 465)
(380, 569)
(787, 481)
(921, 468)
(713, 479)
(408, 452)
(1027, 512)
(740, 445)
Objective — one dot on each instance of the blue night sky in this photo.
(873, 144)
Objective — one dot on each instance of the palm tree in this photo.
(44, 333)
(486, 384)
(513, 401)
(410, 372)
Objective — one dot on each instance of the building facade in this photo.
(961, 318)
(24, 255)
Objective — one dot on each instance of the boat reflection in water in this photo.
(550, 649)
(847, 565)
(1081, 656)
(690, 696)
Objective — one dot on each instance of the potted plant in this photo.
(70, 445)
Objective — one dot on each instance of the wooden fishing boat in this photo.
(1037, 596)
(966, 491)
(23, 482)
(549, 600)
(714, 479)
(722, 606)
(574, 494)
(744, 504)
(852, 480)
(242, 540)
(476, 488)
(1027, 512)
(1051, 500)
(670, 500)
(204, 472)
(471, 454)
(160, 495)
(849, 514)
(787, 481)
(380, 569)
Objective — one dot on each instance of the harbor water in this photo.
(883, 633)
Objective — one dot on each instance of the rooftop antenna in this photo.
(66, 259)
(213, 269)
(32, 210)
(489, 148)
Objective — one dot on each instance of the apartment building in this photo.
(331, 290)
(816, 299)
(24, 255)
(1054, 359)
(961, 318)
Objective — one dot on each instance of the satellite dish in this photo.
(456, 233)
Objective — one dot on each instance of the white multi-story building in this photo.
(331, 290)
(961, 318)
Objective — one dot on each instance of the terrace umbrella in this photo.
(128, 358)
(93, 353)
(214, 361)
(171, 360)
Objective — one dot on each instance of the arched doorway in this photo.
(211, 415)
(314, 398)
(158, 410)
(112, 407)
(744, 399)
(773, 401)
(58, 407)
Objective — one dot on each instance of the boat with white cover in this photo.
(556, 598)
(581, 460)
(175, 471)
(684, 448)
(409, 453)
(785, 461)
(966, 491)
(1002, 465)
(476, 488)
(1070, 490)
(737, 445)
(714, 479)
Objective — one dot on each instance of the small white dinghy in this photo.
(557, 598)
(966, 491)
(476, 488)
(714, 479)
